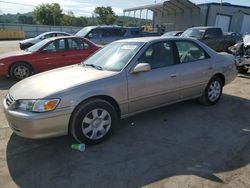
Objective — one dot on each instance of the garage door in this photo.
(245, 25)
(223, 22)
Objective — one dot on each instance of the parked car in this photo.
(106, 34)
(236, 37)
(241, 51)
(48, 54)
(122, 79)
(31, 41)
(172, 34)
(211, 36)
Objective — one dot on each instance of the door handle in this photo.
(173, 75)
(64, 55)
(210, 68)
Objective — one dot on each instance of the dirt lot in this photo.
(182, 145)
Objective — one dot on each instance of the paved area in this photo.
(10, 45)
(178, 146)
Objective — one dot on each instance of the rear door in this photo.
(196, 68)
(158, 86)
(78, 50)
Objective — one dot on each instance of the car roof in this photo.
(152, 39)
(104, 26)
(204, 27)
(50, 32)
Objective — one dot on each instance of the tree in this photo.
(48, 14)
(25, 19)
(81, 21)
(105, 15)
(68, 19)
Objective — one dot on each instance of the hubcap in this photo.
(214, 91)
(96, 124)
(21, 72)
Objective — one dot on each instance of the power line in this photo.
(9, 2)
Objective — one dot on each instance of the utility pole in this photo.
(218, 20)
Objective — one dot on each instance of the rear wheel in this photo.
(93, 121)
(20, 71)
(213, 91)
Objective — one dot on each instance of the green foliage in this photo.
(13, 18)
(45, 14)
(23, 19)
(132, 22)
(70, 20)
(105, 15)
(48, 14)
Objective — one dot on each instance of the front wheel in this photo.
(213, 92)
(20, 70)
(93, 121)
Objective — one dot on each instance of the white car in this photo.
(31, 41)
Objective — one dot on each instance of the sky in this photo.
(86, 7)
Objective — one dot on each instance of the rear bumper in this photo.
(38, 125)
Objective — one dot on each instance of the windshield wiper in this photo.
(94, 66)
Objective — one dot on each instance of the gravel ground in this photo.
(178, 146)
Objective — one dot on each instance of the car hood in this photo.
(13, 54)
(30, 40)
(55, 81)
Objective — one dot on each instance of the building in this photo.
(181, 14)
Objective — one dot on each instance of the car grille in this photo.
(9, 100)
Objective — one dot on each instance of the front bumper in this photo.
(38, 125)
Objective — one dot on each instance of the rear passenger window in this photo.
(189, 52)
(56, 46)
(112, 32)
(158, 55)
(77, 44)
(212, 33)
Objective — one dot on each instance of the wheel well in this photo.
(20, 62)
(222, 77)
(103, 97)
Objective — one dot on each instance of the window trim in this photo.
(207, 56)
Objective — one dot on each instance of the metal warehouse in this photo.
(182, 14)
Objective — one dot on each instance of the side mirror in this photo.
(142, 67)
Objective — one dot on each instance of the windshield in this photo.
(172, 33)
(37, 46)
(83, 32)
(195, 33)
(114, 56)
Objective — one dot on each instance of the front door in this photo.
(158, 86)
(52, 56)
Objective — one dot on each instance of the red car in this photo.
(48, 54)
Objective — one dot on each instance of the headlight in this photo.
(37, 105)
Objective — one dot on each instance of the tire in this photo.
(242, 69)
(213, 91)
(93, 121)
(20, 70)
